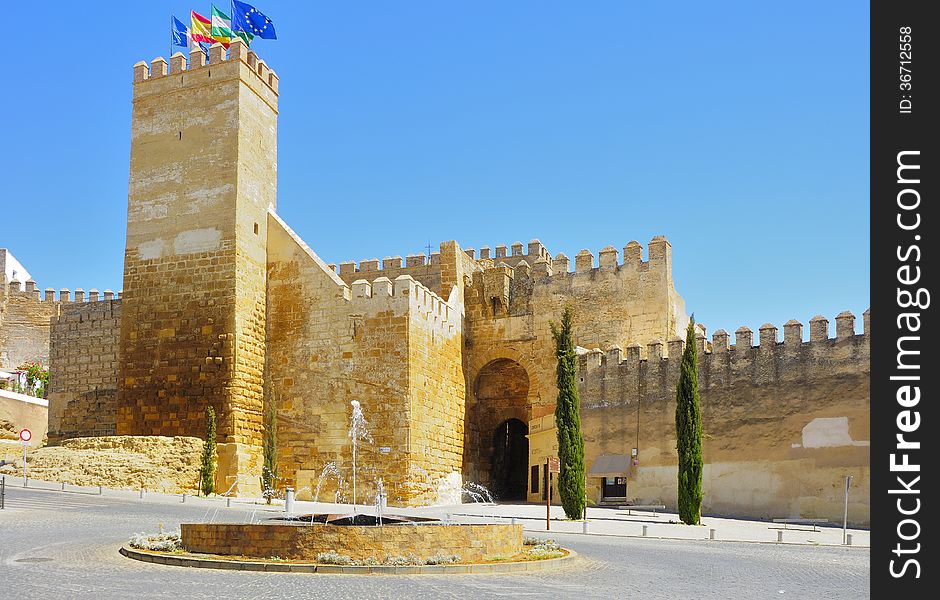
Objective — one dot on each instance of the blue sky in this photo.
(740, 130)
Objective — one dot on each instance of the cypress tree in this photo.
(689, 433)
(269, 472)
(207, 472)
(568, 421)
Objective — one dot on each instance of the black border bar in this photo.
(904, 382)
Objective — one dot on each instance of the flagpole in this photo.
(170, 55)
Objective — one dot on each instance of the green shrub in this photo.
(207, 471)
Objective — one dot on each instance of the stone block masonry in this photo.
(509, 349)
(394, 346)
(83, 366)
(783, 421)
(473, 543)
(202, 176)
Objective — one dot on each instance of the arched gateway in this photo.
(497, 449)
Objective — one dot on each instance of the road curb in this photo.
(268, 567)
(716, 540)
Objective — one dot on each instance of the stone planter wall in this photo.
(473, 543)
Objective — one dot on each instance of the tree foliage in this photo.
(269, 470)
(689, 433)
(568, 421)
(207, 471)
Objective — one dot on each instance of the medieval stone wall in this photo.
(24, 324)
(392, 346)
(783, 422)
(509, 310)
(83, 367)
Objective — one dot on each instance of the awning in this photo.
(610, 465)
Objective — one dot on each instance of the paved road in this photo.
(62, 545)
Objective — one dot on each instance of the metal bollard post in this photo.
(780, 535)
(63, 486)
(848, 539)
(141, 493)
(228, 502)
(289, 501)
(644, 531)
(584, 528)
(3, 491)
(100, 490)
(711, 534)
(512, 520)
(184, 497)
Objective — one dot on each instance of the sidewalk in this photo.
(601, 521)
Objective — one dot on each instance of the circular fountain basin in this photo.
(399, 535)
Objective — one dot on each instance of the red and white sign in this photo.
(26, 435)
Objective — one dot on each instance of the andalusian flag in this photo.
(201, 29)
(222, 31)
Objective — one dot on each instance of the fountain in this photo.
(329, 469)
(361, 536)
(451, 490)
(357, 432)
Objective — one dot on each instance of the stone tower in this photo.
(203, 173)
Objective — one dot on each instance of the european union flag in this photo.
(246, 17)
(179, 33)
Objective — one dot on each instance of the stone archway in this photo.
(498, 412)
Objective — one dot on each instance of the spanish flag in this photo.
(201, 30)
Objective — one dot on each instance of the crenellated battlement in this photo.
(723, 363)
(541, 264)
(30, 290)
(403, 295)
(511, 254)
(421, 267)
(160, 68)
(609, 259)
(389, 263)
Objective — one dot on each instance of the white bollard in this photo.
(63, 486)
(289, 501)
(644, 531)
(584, 528)
(780, 535)
(711, 534)
(848, 539)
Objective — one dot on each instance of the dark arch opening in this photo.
(499, 395)
(510, 462)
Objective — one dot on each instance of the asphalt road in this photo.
(65, 545)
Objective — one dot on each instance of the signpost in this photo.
(551, 466)
(845, 515)
(25, 436)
